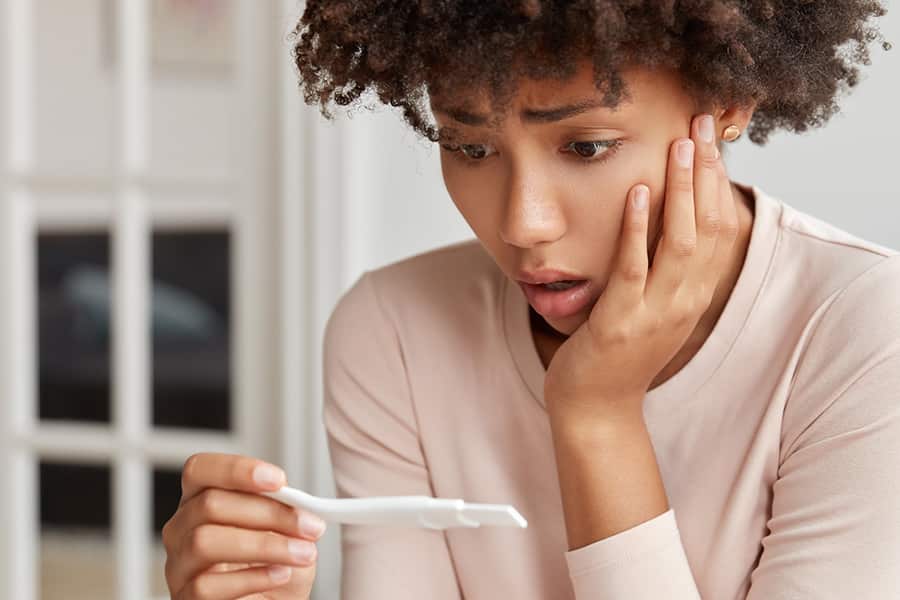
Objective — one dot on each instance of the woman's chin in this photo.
(567, 326)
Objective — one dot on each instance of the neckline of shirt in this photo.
(764, 233)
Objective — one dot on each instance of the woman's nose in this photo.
(532, 213)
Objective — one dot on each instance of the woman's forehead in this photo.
(548, 100)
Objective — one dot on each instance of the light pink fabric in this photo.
(778, 443)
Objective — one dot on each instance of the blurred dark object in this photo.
(78, 497)
(166, 495)
(75, 495)
(190, 328)
(73, 327)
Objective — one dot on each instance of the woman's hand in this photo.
(641, 320)
(226, 541)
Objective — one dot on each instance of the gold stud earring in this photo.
(731, 133)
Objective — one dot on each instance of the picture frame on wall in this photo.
(192, 38)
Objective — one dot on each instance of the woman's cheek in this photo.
(473, 204)
(635, 168)
(455, 186)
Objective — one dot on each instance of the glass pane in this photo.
(73, 326)
(77, 560)
(193, 93)
(74, 86)
(166, 495)
(191, 329)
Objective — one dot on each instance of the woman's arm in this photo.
(623, 538)
(834, 529)
(374, 447)
(610, 465)
(835, 525)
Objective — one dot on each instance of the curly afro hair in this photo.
(788, 57)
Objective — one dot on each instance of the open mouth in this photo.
(558, 299)
(565, 284)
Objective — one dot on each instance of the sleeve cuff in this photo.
(645, 561)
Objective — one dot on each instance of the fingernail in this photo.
(267, 475)
(685, 153)
(301, 550)
(640, 198)
(279, 573)
(311, 526)
(706, 128)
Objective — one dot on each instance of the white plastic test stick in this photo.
(411, 511)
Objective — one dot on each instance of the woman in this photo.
(667, 372)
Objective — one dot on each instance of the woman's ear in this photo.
(733, 115)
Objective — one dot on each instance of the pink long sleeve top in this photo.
(778, 443)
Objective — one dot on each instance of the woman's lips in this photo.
(553, 304)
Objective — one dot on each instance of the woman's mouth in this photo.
(559, 299)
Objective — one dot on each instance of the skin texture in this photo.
(532, 204)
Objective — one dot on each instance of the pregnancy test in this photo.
(410, 511)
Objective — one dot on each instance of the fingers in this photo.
(228, 471)
(707, 197)
(626, 282)
(235, 584)
(700, 278)
(223, 526)
(186, 534)
(693, 219)
(211, 543)
(678, 240)
(248, 511)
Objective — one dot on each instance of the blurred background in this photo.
(175, 228)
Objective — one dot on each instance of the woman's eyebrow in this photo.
(533, 115)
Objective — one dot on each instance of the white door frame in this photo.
(245, 203)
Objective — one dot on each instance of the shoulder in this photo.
(824, 258)
(806, 227)
(822, 277)
(441, 287)
(863, 316)
(438, 272)
(848, 373)
(407, 317)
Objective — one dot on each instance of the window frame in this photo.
(129, 204)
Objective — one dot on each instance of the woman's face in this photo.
(549, 192)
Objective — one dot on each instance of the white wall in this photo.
(75, 82)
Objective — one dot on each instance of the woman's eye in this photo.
(470, 152)
(586, 152)
(473, 151)
(590, 150)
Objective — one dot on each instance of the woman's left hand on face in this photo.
(644, 316)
